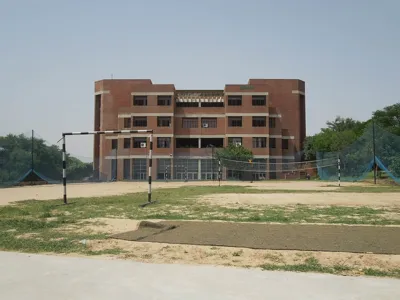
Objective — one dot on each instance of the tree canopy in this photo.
(233, 152)
(16, 160)
(355, 141)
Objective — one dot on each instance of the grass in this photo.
(311, 264)
(34, 226)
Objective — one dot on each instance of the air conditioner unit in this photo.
(205, 125)
(143, 145)
(237, 144)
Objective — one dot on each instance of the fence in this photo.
(376, 147)
(28, 159)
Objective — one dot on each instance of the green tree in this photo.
(388, 118)
(16, 160)
(233, 152)
(345, 124)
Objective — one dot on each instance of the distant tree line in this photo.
(16, 160)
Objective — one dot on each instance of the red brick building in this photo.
(264, 115)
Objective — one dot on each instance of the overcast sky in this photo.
(51, 52)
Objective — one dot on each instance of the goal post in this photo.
(64, 154)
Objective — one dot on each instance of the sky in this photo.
(51, 52)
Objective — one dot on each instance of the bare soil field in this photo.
(49, 192)
(320, 199)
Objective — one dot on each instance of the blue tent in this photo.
(33, 178)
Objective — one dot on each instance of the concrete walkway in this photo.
(25, 276)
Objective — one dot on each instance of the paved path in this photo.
(24, 276)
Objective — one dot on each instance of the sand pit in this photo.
(322, 199)
(48, 192)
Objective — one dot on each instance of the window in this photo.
(209, 122)
(127, 169)
(259, 100)
(114, 144)
(164, 168)
(212, 104)
(127, 143)
(259, 142)
(127, 122)
(164, 100)
(138, 141)
(190, 123)
(285, 164)
(272, 143)
(187, 143)
(234, 140)
(272, 122)
(285, 144)
(163, 142)
(209, 169)
(186, 169)
(139, 121)
(234, 100)
(187, 104)
(259, 121)
(140, 100)
(139, 167)
(163, 121)
(235, 121)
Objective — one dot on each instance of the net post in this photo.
(373, 149)
(150, 166)
(219, 172)
(338, 167)
(64, 165)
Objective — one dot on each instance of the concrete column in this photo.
(199, 169)
(199, 142)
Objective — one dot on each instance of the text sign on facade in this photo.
(246, 87)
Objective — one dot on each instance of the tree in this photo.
(345, 124)
(233, 152)
(355, 142)
(16, 160)
(388, 118)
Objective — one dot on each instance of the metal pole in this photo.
(338, 165)
(150, 167)
(219, 172)
(64, 158)
(373, 147)
(32, 150)
(116, 161)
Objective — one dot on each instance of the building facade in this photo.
(264, 115)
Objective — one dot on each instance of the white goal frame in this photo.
(64, 153)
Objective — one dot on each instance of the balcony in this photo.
(199, 110)
(186, 152)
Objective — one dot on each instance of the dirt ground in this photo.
(227, 256)
(320, 199)
(194, 254)
(48, 192)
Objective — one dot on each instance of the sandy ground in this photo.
(48, 192)
(239, 257)
(340, 199)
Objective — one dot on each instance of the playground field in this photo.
(87, 190)
(101, 210)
